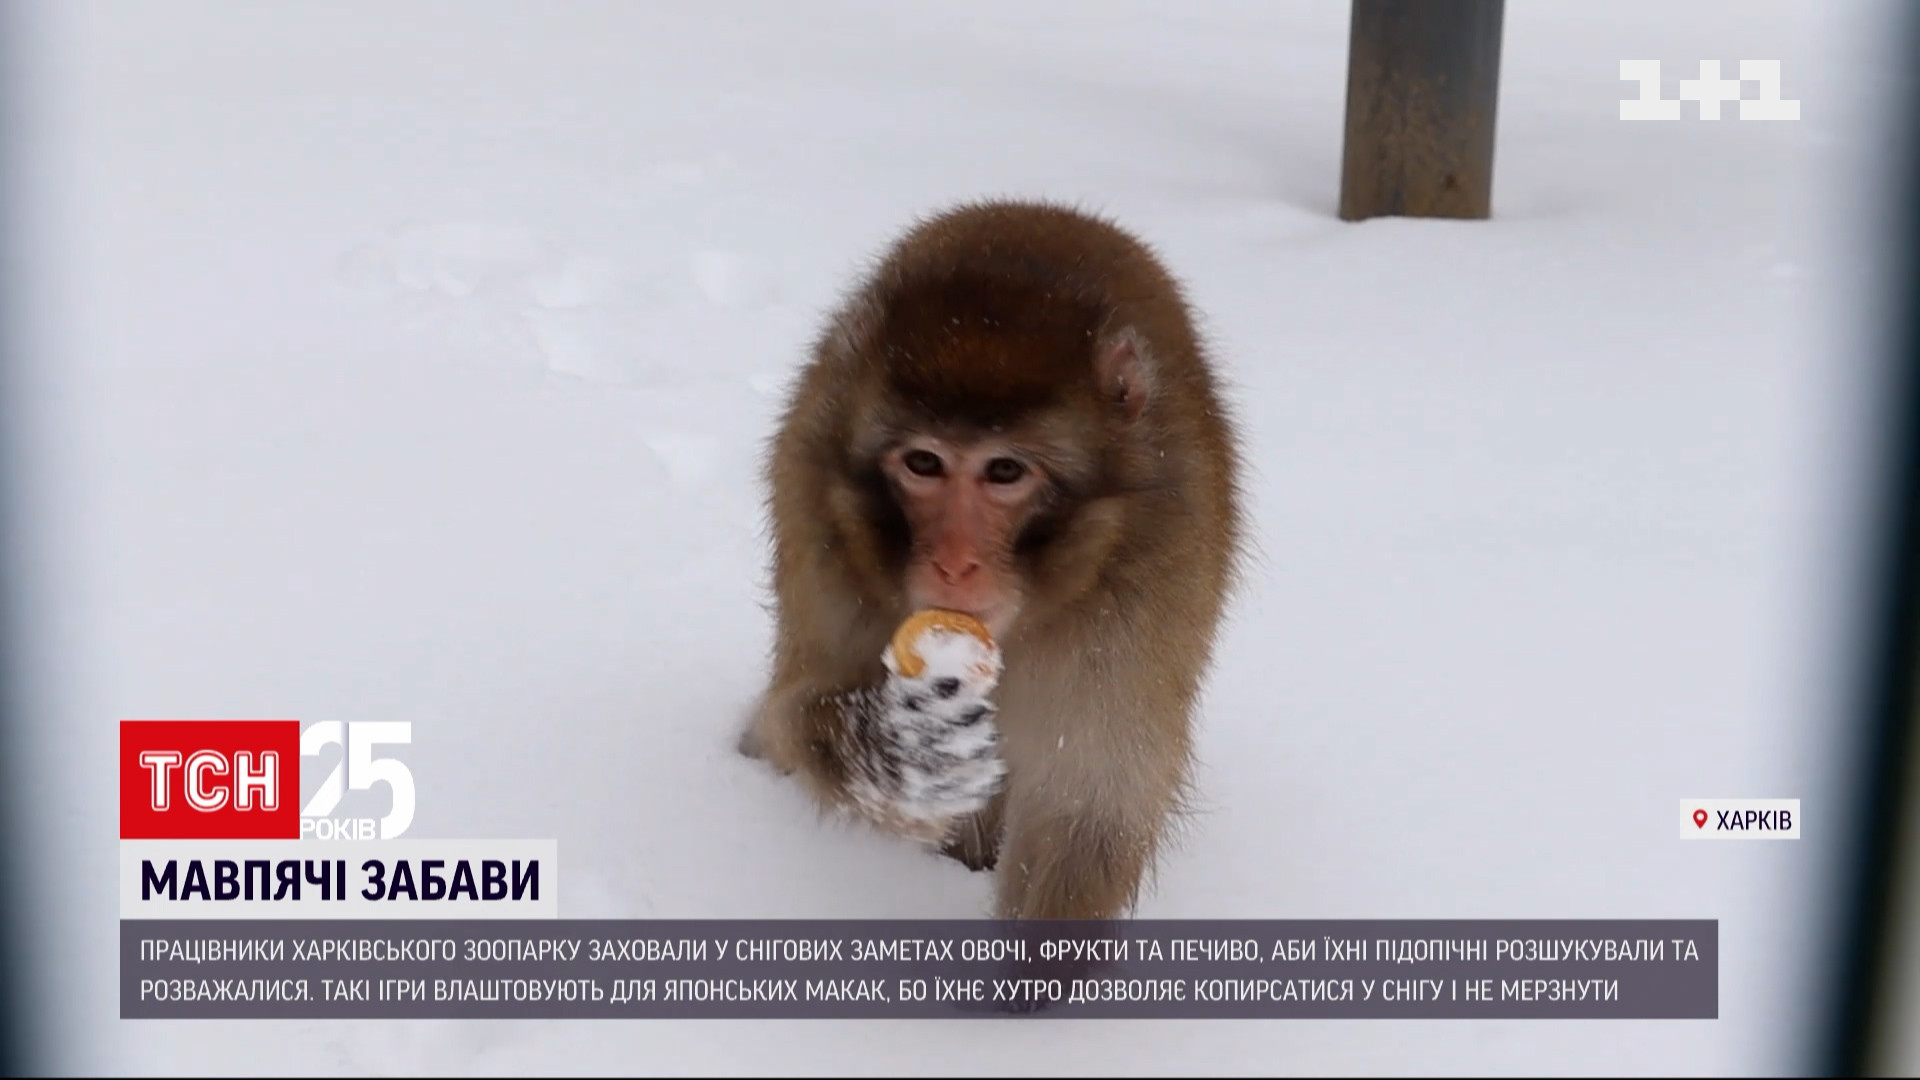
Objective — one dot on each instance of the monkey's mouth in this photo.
(997, 615)
(997, 618)
(998, 621)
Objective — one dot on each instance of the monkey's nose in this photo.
(961, 571)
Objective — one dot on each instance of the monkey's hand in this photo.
(931, 747)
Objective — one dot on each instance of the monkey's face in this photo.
(966, 502)
(988, 473)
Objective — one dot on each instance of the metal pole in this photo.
(1423, 78)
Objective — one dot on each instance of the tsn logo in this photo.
(240, 779)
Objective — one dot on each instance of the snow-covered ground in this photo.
(412, 361)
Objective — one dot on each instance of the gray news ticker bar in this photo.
(797, 969)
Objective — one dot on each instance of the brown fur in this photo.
(993, 318)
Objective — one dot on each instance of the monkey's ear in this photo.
(1124, 370)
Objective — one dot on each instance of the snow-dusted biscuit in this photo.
(917, 625)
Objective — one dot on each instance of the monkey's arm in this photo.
(915, 755)
(925, 750)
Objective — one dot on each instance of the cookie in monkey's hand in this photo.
(933, 745)
(913, 635)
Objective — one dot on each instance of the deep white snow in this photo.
(412, 362)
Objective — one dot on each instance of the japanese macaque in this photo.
(1012, 418)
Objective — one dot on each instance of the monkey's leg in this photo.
(976, 841)
(751, 742)
(1071, 867)
(1083, 828)
(1063, 861)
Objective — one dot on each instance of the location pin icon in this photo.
(1699, 819)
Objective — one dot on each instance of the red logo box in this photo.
(209, 780)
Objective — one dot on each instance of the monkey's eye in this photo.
(1004, 470)
(922, 462)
